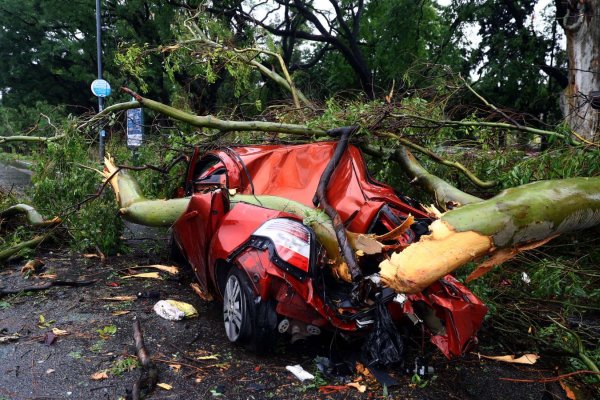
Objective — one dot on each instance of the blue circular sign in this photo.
(100, 88)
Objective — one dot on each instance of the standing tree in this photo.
(580, 20)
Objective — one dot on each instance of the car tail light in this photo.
(291, 240)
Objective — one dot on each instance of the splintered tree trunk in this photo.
(582, 30)
(517, 217)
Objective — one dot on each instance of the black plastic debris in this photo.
(384, 345)
(151, 294)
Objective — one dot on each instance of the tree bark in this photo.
(581, 23)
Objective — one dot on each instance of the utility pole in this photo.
(99, 57)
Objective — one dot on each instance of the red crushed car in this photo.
(271, 272)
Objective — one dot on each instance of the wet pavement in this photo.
(193, 356)
(14, 175)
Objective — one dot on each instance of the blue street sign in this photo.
(100, 88)
(135, 129)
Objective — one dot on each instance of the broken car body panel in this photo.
(285, 264)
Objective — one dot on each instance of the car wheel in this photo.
(247, 319)
(236, 307)
(175, 253)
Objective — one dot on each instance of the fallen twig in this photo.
(45, 286)
(550, 379)
(149, 376)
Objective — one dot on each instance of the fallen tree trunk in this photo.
(11, 251)
(521, 217)
(517, 217)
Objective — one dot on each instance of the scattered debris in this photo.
(144, 275)
(50, 371)
(76, 355)
(32, 267)
(568, 391)
(421, 368)
(151, 294)
(384, 345)
(357, 386)
(43, 323)
(299, 372)
(201, 293)
(91, 255)
(164, 386)
(107, 331)
(98, 376)
(175, 367)
(9, 338)
(175, 310)
(528, 359)
(120, 312)
(218, 391)
(210, 357)
(170, 269)
(119, 298)
(330, 389)
(149, 376)
(49, 338)
(525, 278)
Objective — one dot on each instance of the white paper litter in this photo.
(168, 311)
(299, 372)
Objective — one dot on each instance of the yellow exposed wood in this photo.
(434, 256)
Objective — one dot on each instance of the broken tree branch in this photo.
(290, 84)
(487, 103)
(149, 376)
(30, 139)
(210, 121)
(134, 207)
(45, 286)
(499, 125)
(446, 195)
(580, 348)
(284, 82)
(11, 251)
(109, 110)
(440, 160)
(34, 218)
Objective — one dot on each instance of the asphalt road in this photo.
(13, 177)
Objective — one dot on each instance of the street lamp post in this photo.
(99, 57)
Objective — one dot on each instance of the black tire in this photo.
(175, 253)
(246, 319)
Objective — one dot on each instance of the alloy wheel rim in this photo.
(233, 309)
